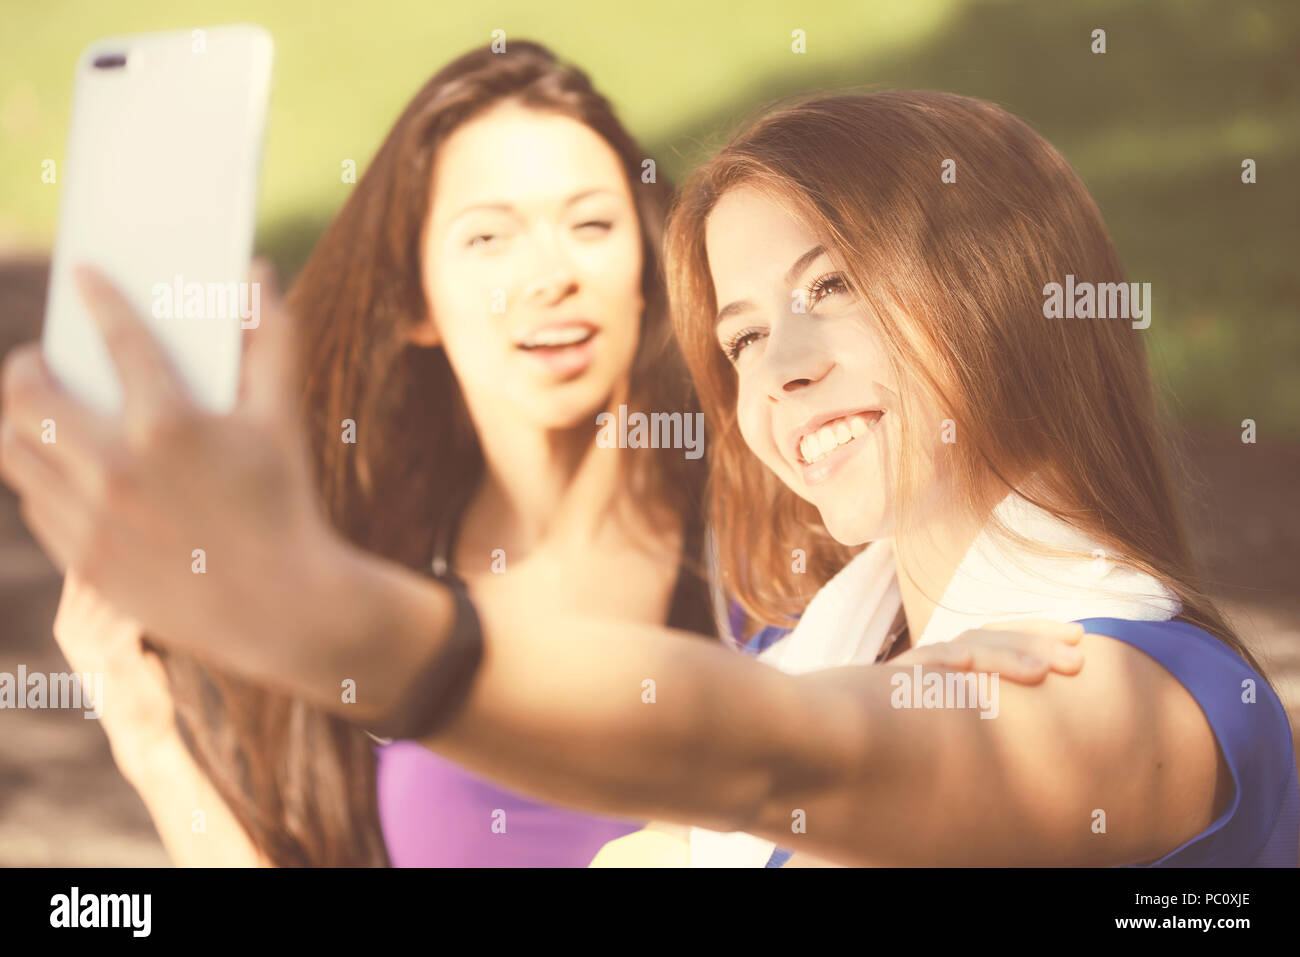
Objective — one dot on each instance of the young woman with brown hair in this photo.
(845, 312)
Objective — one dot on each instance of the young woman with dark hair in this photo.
(492, 283)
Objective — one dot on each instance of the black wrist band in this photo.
(440, 690)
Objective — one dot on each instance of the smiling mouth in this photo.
(818, 444)
(560, 337)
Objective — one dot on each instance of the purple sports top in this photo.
(436, 814)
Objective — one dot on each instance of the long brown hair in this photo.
(955, 274)
(301, 782)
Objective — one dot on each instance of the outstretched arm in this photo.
(731, 744)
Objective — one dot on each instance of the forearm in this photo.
(194, 823)
(339, 627)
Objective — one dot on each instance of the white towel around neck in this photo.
(848, 619)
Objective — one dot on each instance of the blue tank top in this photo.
(1260, 827)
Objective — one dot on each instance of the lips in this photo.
(563, 349)
(822, 435)
(557, 335)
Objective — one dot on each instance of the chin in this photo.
(856, 526)
(578, 408)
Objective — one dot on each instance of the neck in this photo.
(928, 549)
(539, 484)
(536, 483)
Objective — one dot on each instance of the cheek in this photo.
(613, 271)
(755, 423)
(467, 326)
(462, 307)
(609, 275)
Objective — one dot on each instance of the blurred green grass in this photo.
(1157, 126)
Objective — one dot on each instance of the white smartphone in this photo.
(159, 193)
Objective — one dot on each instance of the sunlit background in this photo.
(1158, 127)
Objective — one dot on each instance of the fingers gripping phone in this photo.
(159, 193)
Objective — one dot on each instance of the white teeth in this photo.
(819, 444)
(562, 336)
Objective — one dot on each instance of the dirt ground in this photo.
(62, 801)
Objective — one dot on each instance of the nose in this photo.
(793, 360)
(553, 277)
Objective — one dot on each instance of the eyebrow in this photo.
(507, 208)
(800, 264)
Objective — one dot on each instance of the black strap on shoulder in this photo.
(691, 606)
(440, 690)
(444, 682)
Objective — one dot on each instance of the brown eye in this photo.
(736, 344)
(830, 285)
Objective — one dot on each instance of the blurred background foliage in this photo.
(1157, 126)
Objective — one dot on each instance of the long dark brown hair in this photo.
(954, 275)
(301, 782)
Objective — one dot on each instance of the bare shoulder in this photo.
(1142, 746)
(1134, 694)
